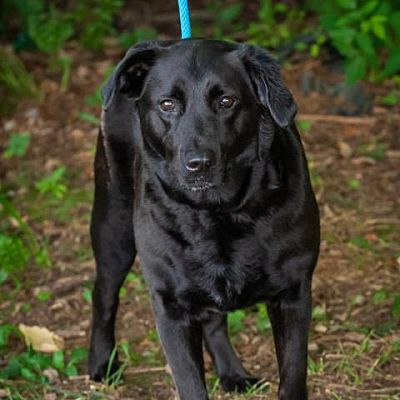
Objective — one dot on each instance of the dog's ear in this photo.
(129, 75)
(272, 93)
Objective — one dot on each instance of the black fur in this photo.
(242, 231)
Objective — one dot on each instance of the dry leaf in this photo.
(41, 339)
(344, 149)
(52, 375)
(320, 328)
(371, 237)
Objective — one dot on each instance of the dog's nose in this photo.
(199, 163)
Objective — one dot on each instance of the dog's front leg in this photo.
(181, 339)
(290, 323)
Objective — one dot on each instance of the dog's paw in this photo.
(102, 371)
(238, 383)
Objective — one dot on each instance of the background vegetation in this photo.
(44, 43)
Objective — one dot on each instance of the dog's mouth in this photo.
(198, 185)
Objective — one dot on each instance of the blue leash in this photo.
(184, 15)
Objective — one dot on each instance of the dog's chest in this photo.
(212, 262)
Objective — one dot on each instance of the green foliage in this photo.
(13, 255)
(319, 313)
(375, 150)
(394, 298)
(49, 29)
(115, 378)
(136, 280)
(87, 295)
(304, 125)
(53, 183)
(88, 117)
(5, 332)
(64, 64)
(361, 242)
(43, 296)
(235, 321)
(17, 145)
(353, 183)
(49, 26)
(362, 31)
(391, 99)
(31, 364)
(18, 243)
(95, 19)
(277, 24)
(316, 367)
(365, 32)
(127, 39)
(226, 18)
(15, 81)
(263, 323)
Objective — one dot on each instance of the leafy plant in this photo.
(15, 80)
(360, 241)
(88, 117)
(235, 321)
(375, 150)
(263, 322)
(18, 244)
(365, 33)
(49, 29)
(31, 364)
(63, 63)
(225, 18)
(53, 184)
(353, 183)
(394, 297)
(5, 332)
(13, 254)
(87, 294)
(277, 24)
(43, 296)
(95, 19)
(391, 99)
(17, 145)
(137, 281)
(127, 39)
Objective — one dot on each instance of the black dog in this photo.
(200, 170)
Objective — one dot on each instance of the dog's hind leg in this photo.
(114, 248)
(233, 377)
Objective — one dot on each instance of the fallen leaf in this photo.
(53, 376)
(344, 149)
(41, 339)
(371, 237)
(313, 347)
(320, 328)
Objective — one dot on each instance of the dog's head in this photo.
(208, 113)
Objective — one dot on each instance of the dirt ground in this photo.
(355, 166)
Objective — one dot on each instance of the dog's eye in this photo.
(227, 101)
(168, 105)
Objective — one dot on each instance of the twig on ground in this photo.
(341, 119)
